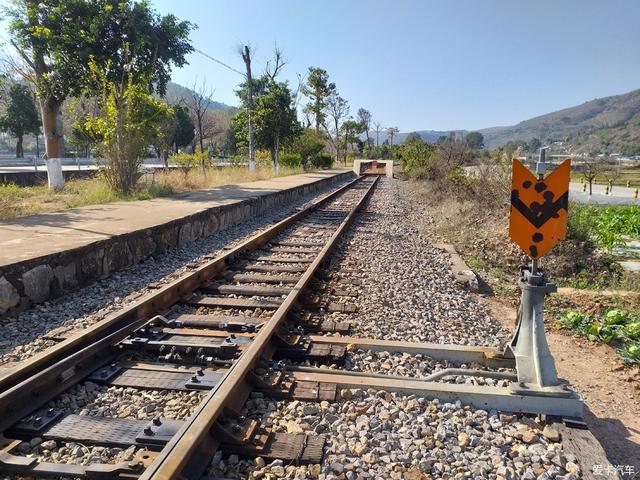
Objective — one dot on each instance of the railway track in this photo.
(218, 334)
(247, 360)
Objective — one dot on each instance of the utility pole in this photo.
(246, 56)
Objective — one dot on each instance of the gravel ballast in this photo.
(381, 435)
(42, 326)
(407, 291)
(404, 291)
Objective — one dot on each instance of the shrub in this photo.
(189, 161)
(322, 160)
(290, 159)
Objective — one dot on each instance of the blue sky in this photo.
(437, 64)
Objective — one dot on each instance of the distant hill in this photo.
(426, 135)
(177, 92)
(609, 124)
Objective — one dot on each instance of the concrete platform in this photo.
(46, 255)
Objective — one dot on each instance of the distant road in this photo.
(66, 168)
(20, 165)
(619, 195)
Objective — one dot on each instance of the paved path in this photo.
(619, 195)
(33, 236)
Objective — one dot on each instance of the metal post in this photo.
(541, 167)
(535, 366)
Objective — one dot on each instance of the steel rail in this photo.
(178, 453)
(152, 303)
(29, 385)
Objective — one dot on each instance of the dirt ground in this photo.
(610, 389)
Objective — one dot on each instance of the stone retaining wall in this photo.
(38, 279)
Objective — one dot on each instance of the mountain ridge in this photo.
(600, 125)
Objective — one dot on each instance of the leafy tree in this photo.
(59, 39)
(83, 136)
(175, 130)
(184, 130)
(318, 89)
(364, 117)
(21, 116)
(351, 129)
(391, 132)
(308, 144)
(336, 108)
(76, 112)
(474, 140)
(512, 147)
(413, 137)
(274, 117)
(534, 144)
(130, 120)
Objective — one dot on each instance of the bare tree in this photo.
(245, 52)
(377, 127)
(271, 70)
(198, 103)
(337, 108)
(364, 117)
(612, 173)
(590, 171)
(453, 153)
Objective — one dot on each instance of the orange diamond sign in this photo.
(538, 218)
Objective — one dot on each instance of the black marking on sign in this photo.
(540, 187)
(536, 213)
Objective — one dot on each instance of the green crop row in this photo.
(612, 324)
(606, 226)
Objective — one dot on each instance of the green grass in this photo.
(16, 201)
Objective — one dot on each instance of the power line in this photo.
(218, 61)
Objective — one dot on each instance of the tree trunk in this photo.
(246, 56)
(337, 142)
(51, 111)
(52, 127)
(277, 156)
(19, 150)
(252, 152)
(200, 139)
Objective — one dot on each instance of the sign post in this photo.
(538, 221)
